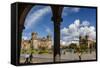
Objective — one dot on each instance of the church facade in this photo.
(36, 43)
(86, 40)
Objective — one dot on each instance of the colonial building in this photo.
(35, 42)
(86, 40)
(83, 40)
(25, 44)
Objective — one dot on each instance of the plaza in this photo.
(43, 58)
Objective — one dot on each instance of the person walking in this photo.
(31, 57)
(79, 54)
(26, 58)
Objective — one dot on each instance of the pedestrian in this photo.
(31, 57)
(26, 58)
(79, 54)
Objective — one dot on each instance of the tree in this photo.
(72, 46)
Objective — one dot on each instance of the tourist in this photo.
(26, 58)
(79, 54)
(31, 57)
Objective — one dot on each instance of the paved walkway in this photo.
(40, 58)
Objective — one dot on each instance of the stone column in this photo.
(56, 19)
(23, 10)
(19, 39)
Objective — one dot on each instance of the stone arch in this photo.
(23, 10)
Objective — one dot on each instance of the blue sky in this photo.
(88, 14)
(39, 20)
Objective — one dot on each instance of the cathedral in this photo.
(86, 40)
(36, 43)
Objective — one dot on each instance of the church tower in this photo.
(49, 41)
(48, 37)
(34, 36)
(34, 40)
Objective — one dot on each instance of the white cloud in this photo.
(90, 30)
(84, 30)
(48, 30)
(75, 9)
(77, 23)
(64, 31)
(32, 19)
(62, 42)
(68, 10)
(72, 29)
(25, 38)
(75, 29)
(85, 23)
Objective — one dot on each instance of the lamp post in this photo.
(57, 12)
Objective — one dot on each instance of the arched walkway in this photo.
(23, 10)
